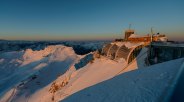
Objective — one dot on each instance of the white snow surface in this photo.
(93, 73)
(131, 45)
(150, 84)
(24, 73)
(135, 36)
(50, 75)
(54, 66)
(100, 70)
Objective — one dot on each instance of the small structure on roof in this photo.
(128, 33)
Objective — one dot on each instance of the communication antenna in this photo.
(151, 34)
(152, 30)
(150, 43)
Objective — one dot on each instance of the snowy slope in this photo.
(42, 80)
(99, 70)
(73, 80)
(149, 84)
(96, 72)
(26, 72)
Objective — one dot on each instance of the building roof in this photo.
(135, 36)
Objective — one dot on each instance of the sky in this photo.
(89, 19)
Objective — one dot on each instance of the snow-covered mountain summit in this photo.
(52, 74)
(57, 73)
(19, 68)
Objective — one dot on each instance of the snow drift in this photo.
(29, 71)
(151, 84)
(55, 73)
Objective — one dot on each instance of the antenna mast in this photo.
(151, 34)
